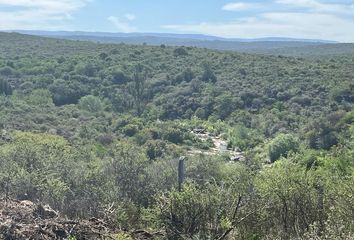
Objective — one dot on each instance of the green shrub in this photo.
(119, 77)
(41, 97)
(155, 149)
(173, 135)
(130, 130)
(90, 104)
(180, 51)
(281, 145)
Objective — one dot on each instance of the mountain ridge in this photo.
(265, 46)
(168, 35)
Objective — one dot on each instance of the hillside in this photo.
(96, 130)
(270, 46)
(179, 84)
(314, 51)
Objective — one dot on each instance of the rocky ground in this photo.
(220, 146)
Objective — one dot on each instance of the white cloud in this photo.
(61, 6)
(317, 6)
(281, 24)
(38, 14)
(239, 6)
(123, 24)
(130, 16)
(293, 18)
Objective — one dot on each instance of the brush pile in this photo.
(27, 220)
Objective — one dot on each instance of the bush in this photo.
(41, 97)
(155, 149)
(90, 104)
(243, 138)
(64, 92)
(322, 135)
(343, 93)
(130, 130)
(180, 52)
(208, 74)
(118, 77)
(187, 76)
(281, 145)
(87, 69)
(173, 135)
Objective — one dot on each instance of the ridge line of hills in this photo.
(170, 35)
(269, 46)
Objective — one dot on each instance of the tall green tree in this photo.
(138, 88)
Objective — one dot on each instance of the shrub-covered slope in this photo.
(96, 130)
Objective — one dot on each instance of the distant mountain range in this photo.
(270, 45)
(163, 36)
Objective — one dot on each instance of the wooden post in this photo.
(181, 171)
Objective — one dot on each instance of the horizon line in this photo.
(285, 38)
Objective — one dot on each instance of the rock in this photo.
(199, 131)
(28, 204)
(4, 136)
(142, 234)
(237, 156)
(45, 212)
(52, 131)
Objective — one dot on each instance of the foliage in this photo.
(96, 130)
(90, 103)
(281, 145)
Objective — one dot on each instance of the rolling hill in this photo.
(270, 46)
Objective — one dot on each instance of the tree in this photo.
(138, 88)
(225, 104)
(208, 74)
(180, 51)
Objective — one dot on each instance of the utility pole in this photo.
(181, 170)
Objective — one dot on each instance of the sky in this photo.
(312, 19)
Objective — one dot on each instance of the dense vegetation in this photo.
(97, 130)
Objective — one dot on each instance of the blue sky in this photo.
(317, 19)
